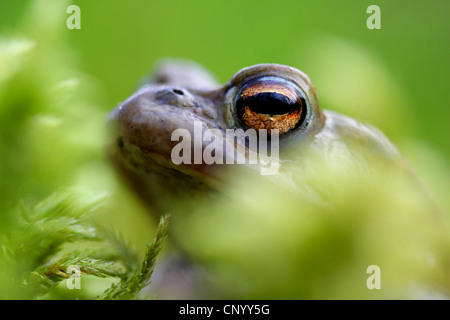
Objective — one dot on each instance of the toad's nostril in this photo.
(119, 142)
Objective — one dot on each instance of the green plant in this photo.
(34, 262)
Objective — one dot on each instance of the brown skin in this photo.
(180, 93)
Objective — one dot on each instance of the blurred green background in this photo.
(329, 40)
(57, 85)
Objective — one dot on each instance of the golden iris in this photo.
(270, 104)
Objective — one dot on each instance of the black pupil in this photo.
(269, 103)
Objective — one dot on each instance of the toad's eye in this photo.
(270, 103)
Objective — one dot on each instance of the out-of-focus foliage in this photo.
(268, 240)
(57, 86)
(51, 123)
(32, 264)
(51, 136)
(49, 129)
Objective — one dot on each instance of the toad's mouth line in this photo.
(232, 146)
